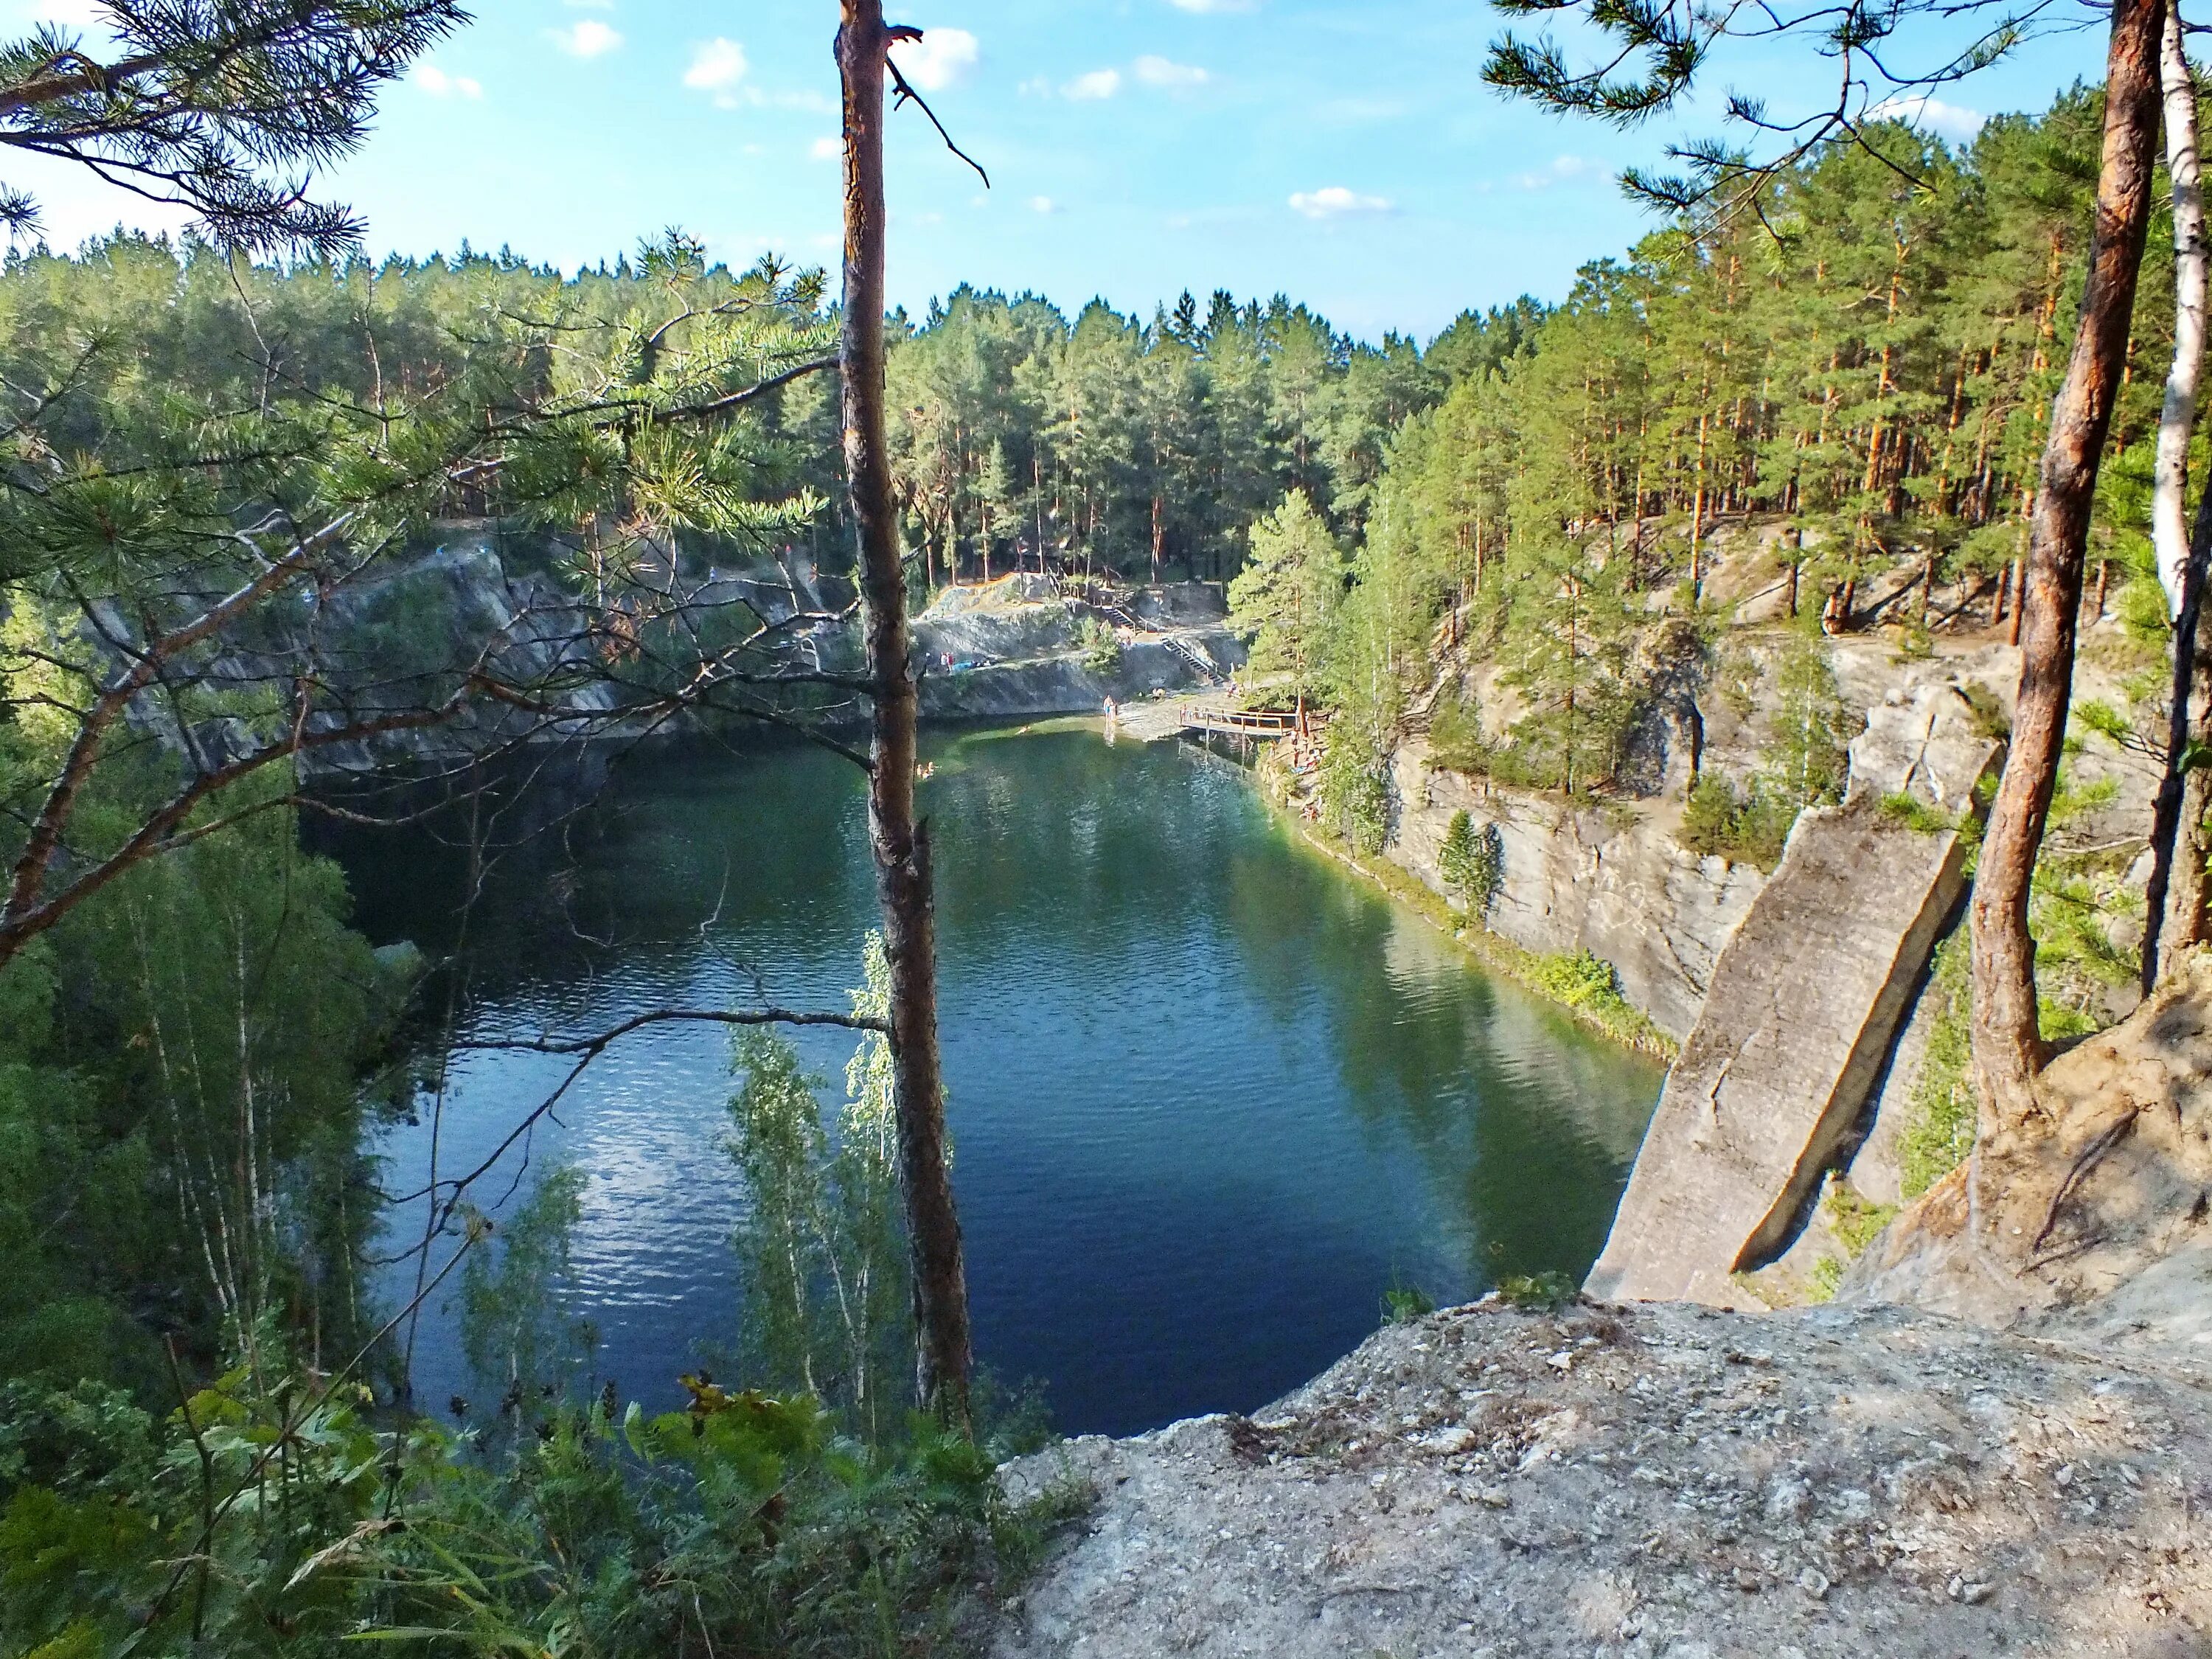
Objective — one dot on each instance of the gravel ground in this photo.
(1661, 1480)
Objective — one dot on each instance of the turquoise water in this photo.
(1210, 1096)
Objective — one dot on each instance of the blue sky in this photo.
(1345, 154)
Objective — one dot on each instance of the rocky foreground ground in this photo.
(1660, 1480)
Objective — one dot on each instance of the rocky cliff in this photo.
(1804, 1010)
(1612, 878)
(403, 636)
(1656, 1480)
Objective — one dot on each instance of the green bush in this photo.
(1403, 1303)
(1584, 979)
(1751, 827)
(1549, 1291)
(1355, 796)
(1101, 649)
(1941, 1130)
(1473, 860)
(744, 1523)
(1909, 811)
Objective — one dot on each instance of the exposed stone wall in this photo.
(1611, 880)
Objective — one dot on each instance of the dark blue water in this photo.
(1210, 1096)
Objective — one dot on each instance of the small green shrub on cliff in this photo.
(1549, 1291)
(1941, 1130)
(1456, 742)
(1909, 811)
(1403, 1303)
(1354, 796)
(1473, 860)
(1751, 827)
(1102, 650)
(1584, 980)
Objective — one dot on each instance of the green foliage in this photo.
(1855, 1219)
(1908, 811)
(1567, 647)
(519, 1341)
(1940, 1131)
(1404, 1303)
(2071, 801)
(1354, 789)
(1801, 762)
(1287, 598)
(1101, 442)
(1583, 980)
(1455, 740)
(1809, 728)
(1100, 645)
(1988, 714)
(744, 1521)
(181, 1108)
(822, 1249)
(2102, 719)
(1750, 828)
(1473, 861)
(1547, 1293)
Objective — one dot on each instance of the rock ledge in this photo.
(1660, 1481)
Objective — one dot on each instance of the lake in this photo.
(1211, 1096)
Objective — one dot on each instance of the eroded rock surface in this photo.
(1660, 1480)
(1803, 1009)
(2119, 1182)
(1609, 880)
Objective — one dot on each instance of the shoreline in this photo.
(1623, 1026)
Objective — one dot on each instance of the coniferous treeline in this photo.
(1145, 449)
(1864, 367)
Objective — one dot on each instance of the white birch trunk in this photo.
(2169, 515)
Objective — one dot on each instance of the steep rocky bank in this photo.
(1655, 1480)
(1016, 648)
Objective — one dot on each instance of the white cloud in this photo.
(1562, 166)
(942, 57)
(588, 38)
(1932, 115)
(1175, 77)
(1203, 6)
(1333, 200)
(717, 66)
(1089, 88)
(439, 84)
(826, 149)
(1043, 204)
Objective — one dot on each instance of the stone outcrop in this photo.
(1657, 1481)
(1801, 1015)
(2117, 1185)
(1010, 649)
(1016, 648)
(1611, 880)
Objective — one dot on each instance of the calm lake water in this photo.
(1210, 1096)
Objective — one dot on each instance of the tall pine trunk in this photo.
(2007, 1036)
(2175, 898)
(900, 844)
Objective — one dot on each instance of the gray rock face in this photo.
(1802, 1007)
(1612, 880)
(1801, 1016)
(1062, 684)
(1665, 1480)
(1923, 744)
